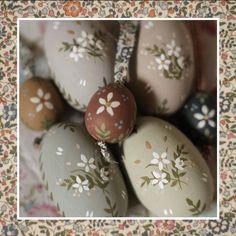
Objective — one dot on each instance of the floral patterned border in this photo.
(11, 10)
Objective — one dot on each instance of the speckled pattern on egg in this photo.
(40, 103)
(111, 113)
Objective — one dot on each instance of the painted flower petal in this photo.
(163, 175)
(201, 124)
(155, 181)
(47, 96)
(198, 116)
(164, 155)
(39, 107)
(85, 182)
(160, 67)
(160, 165)
(75, 185)
(86, 188)
(161, 185)
(115, 104)
(211, 123)
(80, 164)
(35, 100)
(156, 155)
(92, 166)
(81, 189)
(83, 34)
(110, 111)
(49, 105)
(78, 180)
(154, 161)
(165, 161)
(166, 67)
(162, 57)
(100, 110)
(211, 113)
(157, 59)
(204, 109)
(87, 168)
(109, 96)
(156, 174)
(40, 92)
(91, 160)
(83, 158)
(165, 181)
(102, 101)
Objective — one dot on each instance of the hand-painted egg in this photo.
(40, 103)
(199, 115)
(82, 183)
(111, 113)
(33, 31)
(81, 57)
(162, 67)
(167, 172)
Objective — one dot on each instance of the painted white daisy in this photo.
(84, 39)
(173, 49)
(159, 179)
(179, 164)
(107, 105)
(42, 100)
(205, 117)
(76, 53)
(161, 160)
(81, 185)
(87, 163)
(162, 62)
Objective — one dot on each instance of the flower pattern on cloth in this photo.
(161, 160)
(81, 185)
(107, 105)
(159, 179)
(205, 118)
(42, 100)
(87, 163)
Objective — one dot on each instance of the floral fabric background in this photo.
(11, 10)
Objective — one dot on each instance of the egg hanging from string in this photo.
(111, 113)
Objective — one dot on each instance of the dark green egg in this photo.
(200, 117)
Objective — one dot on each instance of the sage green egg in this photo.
(167, 172)
(78, 179)
(81, 57)
(162, 68)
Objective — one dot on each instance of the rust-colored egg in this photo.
(40, 103)
(111, 113)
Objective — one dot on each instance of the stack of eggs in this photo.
(161, 165)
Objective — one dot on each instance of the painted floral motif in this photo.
(168, 175)
(195, 209)
(90, 44)
(81, 185)
(160, 160)
(59, 151)
(169, 60)
(107, 105)
(87, 163)
(205, 118)
(42, 100)
(72, 8)
(159, 179)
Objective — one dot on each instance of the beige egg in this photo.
(81, 57)
(167, 172)
(162, 69)
(40, 103)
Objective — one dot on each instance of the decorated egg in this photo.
(40, 103)
(167, 172)
(162, 67)
(82, 183)
(81, 57)
(200, 114)
(111, 113)
(33, 31)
